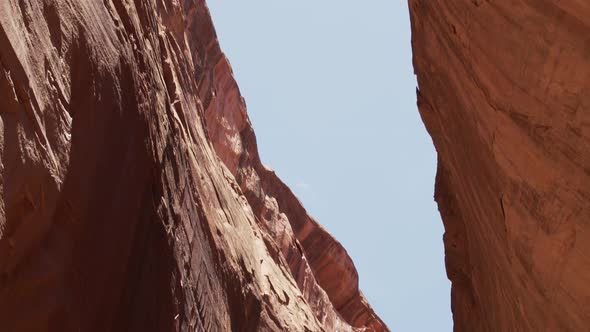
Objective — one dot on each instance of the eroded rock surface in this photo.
(504, 90)
(132, 194)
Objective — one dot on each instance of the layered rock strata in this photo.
(132, 194)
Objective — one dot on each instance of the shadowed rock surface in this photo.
(504, 90)
(132, 194)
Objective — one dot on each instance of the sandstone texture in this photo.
(132, 196)
(504, 90)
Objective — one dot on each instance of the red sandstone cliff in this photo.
(132, 194)
(504, 90)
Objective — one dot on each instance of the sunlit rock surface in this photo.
(132, 194)
(504, 90)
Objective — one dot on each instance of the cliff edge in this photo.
(132, 197)
(504, 92)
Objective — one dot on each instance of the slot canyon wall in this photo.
(132, 194)
(504, 90)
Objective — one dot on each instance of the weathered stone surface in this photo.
(504, 90)
(132, 195)
(319, 263)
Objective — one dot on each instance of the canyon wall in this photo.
(504, 91)
(132, 194)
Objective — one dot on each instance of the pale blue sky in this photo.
(330, 91)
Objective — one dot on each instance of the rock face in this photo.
(132, 194)
(504, 90)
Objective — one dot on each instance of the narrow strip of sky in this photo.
(330, 91)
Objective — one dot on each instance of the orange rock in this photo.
(132, 197)
(504, 92)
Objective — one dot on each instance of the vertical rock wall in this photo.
(504, 90)
(123, 207)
